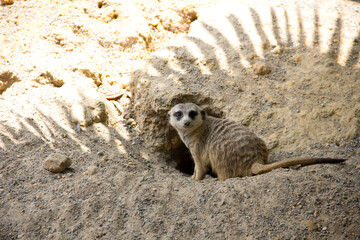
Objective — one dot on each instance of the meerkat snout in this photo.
(186, 123)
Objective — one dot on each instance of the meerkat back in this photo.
(233, 148)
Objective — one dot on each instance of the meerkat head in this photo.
(186, 117)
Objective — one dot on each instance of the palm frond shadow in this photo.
(185, 56)
(44, 134)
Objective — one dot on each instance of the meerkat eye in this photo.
(193, 114)
(178, 115)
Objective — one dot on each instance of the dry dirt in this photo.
(292, 84)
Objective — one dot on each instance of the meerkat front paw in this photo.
(194, 175)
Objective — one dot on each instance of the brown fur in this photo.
(226, 147)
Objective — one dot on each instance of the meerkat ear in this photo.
(203, 114)
(168, 116)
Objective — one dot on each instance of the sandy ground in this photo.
(59, 59)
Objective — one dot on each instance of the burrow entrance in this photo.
(182, 159)
(184, 162)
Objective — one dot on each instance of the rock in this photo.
(277, 50)
(311, 226)
(92, 170)
(104, 159)
(261, 68)
(57, 162)
(86, 105)
(131, 122)
(48, 78)
(6, 80)
(273, 141)
(178, 22)
(326, 113)
(7, 2)
(57, 82)
(247, 118)
(297, 58)
(87, 115)
(96, 77)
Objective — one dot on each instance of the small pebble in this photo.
(277, 50)
(232, 83)
(104, 159)
(261, 68)
(315, 213)
(297, 58)
(92, 170)
(311, 226)
(130, 121)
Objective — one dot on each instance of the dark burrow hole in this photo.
(182, 159)
(184, 162)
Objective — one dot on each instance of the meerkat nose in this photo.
(186, 123)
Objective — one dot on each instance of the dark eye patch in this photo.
(193, 114)
(178, 115)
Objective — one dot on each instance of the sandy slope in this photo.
(55, 59)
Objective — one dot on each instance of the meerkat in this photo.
(226, 147)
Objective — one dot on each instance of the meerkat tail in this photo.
(258, 168)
